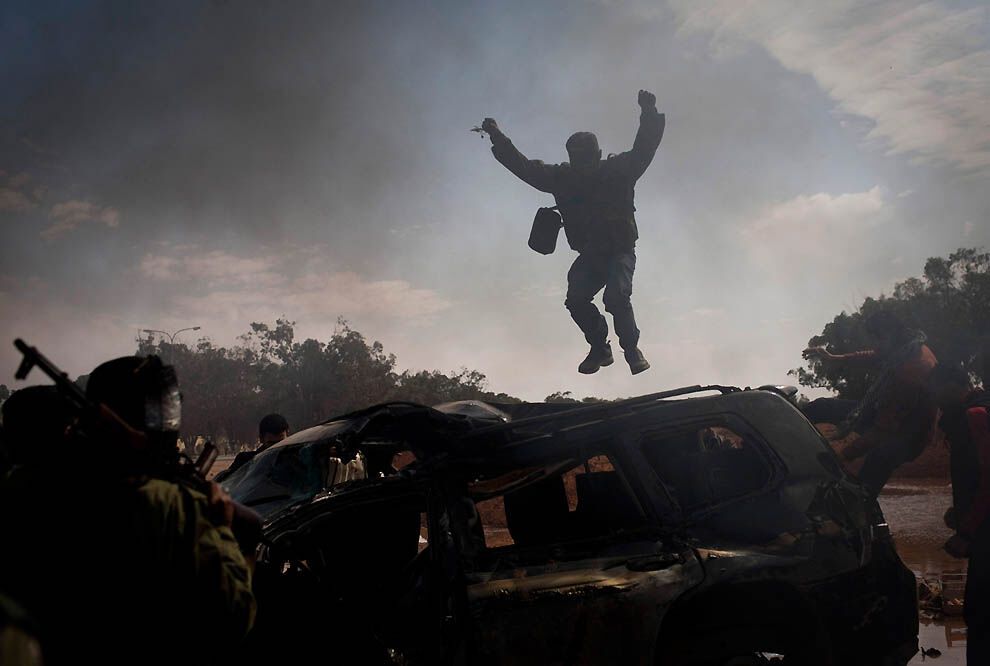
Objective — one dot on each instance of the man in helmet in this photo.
(595, 200)
(111, 561)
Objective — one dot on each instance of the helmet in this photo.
(142, 390)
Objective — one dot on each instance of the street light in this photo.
(171, 337)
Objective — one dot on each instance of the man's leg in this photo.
(828, 410)
(880, 463)
(618, 290)
(585, 279)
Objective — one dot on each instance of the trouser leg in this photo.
(586, 278)
(880, 463)
(828, 410)
(976, 606)
(618, 291)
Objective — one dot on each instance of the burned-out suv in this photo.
(704, 525)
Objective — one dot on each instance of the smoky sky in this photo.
(213, 164)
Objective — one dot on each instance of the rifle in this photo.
(246, 525)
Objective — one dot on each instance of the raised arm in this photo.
(865, 357)
(651, 125)
(532, 172)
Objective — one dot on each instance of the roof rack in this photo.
(589, 410)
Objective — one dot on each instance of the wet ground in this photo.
(914, 511)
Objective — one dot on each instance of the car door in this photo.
(567, 568)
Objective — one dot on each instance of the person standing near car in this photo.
(896, 419)
(966, 424)
(113, 563)
(272, 429)
(595, 200)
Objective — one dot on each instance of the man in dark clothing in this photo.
(895, 420)
(110, 562)
(595, 200)
(272, 429)
(966, 424)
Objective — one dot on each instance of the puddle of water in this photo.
(914, 512)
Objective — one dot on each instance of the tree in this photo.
(950, 302)
(568, 397)
(226, 391)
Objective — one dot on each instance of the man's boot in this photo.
(637, 362)
(598, 357)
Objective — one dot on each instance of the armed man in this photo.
(595, 200)
(111, 557)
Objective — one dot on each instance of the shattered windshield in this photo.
(295, 469)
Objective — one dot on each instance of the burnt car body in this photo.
(674, 528)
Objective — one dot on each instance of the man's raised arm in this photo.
(532, 172)
(651, 124)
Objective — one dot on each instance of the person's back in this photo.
(112, 572)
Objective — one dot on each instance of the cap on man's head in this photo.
(584, 142)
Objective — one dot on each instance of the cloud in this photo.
(214, 268)
(821, 232)
(216, 283)
(919, 71)
(12, 201)
(12, 198)
(68, 215)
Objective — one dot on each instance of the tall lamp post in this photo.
(171, 336)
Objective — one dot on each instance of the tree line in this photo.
(226, 390)
(949, 302)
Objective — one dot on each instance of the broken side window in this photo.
(571, 501)
(705, 464)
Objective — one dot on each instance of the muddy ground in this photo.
(914, 509)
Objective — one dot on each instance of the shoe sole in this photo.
(604, 364)
(639, 369)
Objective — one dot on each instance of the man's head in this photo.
(35, 420)
(949, 383)
(143, 392)
(583, 150)
(272, 429)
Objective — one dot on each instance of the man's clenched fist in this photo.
(490, 126)
(647, 100)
